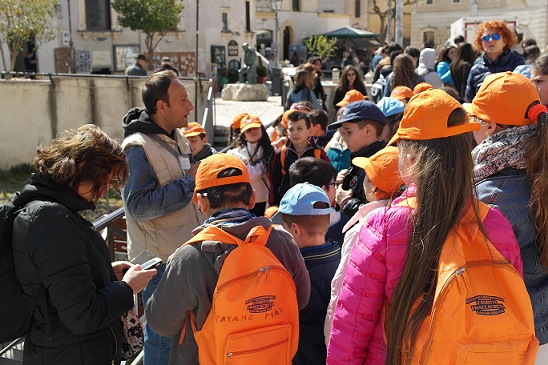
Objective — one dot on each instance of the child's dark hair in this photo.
(312, 224)
(268, 151)
(377, 125)
(312, 170)
(319, 116)
(228, 195)
(295, 116)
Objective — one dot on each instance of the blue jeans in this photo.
(157, 348)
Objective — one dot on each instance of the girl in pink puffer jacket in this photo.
(436, 164)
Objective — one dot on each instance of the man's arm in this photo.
(144, 199)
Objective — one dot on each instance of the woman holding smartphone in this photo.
(63, 262)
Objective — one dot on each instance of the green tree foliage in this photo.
(153, 17)
(24, 20)
(321, 46)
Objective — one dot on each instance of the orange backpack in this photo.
(254, 317)
(481, 312)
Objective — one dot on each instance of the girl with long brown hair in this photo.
(351, 79)
(302, 90)
(403, 74)
(394, 263)
(512, 175)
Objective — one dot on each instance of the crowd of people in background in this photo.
(451, 138)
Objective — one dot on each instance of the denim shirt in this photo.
(509, 191)
(144, 199)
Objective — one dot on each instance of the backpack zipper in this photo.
(275, 344)
(458, 272)
(261, 271)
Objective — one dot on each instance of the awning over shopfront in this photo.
(353, 37)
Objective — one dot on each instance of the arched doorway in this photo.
(286, 42)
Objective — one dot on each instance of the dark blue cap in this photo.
(359, 110)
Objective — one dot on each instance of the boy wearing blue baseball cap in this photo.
(363, 123)
(392, 109)
(304, 211)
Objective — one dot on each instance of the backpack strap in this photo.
(283, 151)
(469, 216)
(317, 153)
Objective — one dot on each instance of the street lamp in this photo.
(276, 5)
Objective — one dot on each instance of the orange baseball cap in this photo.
(248, 122)
(237, 119)
(284, 117)
(193, 129)
(423, 86)
(425, 117)
(382, 169)
(504, 98)
(351, 96)
(207, 175)
(402, 93)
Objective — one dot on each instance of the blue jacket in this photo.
(444, 71)
(507, 61)
(509, 191)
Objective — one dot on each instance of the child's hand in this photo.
(342, 196)
(340, 176)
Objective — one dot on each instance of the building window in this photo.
(296, 5)
(247, 17)
(358, 9)
(428, 38)
(98, 14)
(429, 2)
(224, 21)
(456, 1)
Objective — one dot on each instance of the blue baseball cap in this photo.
(359, 110)
(390, 106)
(300, 200)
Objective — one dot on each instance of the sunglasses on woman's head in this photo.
(487, 38)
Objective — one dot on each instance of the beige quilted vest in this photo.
(163, 235)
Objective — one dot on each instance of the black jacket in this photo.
(58, 253)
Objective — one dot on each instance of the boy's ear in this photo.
(205, 139)
(252, 200)
(203, 203)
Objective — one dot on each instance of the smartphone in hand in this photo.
(147, 260)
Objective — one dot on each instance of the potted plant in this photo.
(261, 74)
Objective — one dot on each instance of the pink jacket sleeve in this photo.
(360, 300)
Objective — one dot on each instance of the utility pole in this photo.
(72, 69)
(399, 22)
(389, 21)
(274, 6)
(196, 77)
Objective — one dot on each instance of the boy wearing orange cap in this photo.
(224, 194)
(402, 93)
(197, 139)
